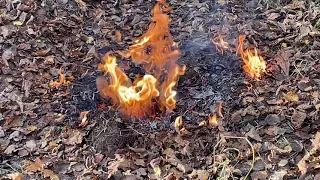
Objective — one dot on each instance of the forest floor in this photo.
(265, 129)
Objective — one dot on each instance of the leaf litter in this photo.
(45, 132)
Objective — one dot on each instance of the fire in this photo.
(132, 97)
(157, 53)
(255, 65)
(84, 118)
(178, 122)
(220, 44)
(63, 80)
(213, 120)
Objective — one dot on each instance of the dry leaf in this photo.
(184, 131)
(81, 4)
(298, 118)
(42, 52)
(199, 174)
(74, 137)
(291, 96)
(10, 149)
(282, 61)
(155, 165)
(253, 133)
(32, 128)
(89, 40)
(118, 35)
(50, 174)
(17, 23)
(52, 144)
(34, 166)
(139, 162)
(273, 16)
(49, 59)
(31, 145)
(157, 171)
(114, 165)
(15, 176)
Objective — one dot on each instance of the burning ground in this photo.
(147, 90)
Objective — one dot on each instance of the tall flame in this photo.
(158, 54)
(255, 65)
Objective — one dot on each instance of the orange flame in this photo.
(63, 80)
(213, 120)
(158, 54)
(220, 44)
(178, 122)
(84, 118)
(255, 65)
(134, 98)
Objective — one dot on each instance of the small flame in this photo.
(178, 122)
(220, 109)
(63, 80)
(255, 65)
(84, 118)
(158, 54)
(213, 120)
(203, 123)
(220, 44)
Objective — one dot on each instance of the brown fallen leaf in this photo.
(259, 175)
(10, 149)
(9, 54)
(291, 96)
(52, 145)
(118, 35)
(116, 164)
(273, 16)
(33, 167)
(50, 174)
(298, 118)
(253, 133)
(42, 52)
(15, 176)
(98, 158)
(32, 128)
(305, 163)
(282, 61)
(31, 145)
(74, 137)
(199, 174)
(155, 165)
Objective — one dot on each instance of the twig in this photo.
(234, 137)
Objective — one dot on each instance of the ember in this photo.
(255, 65)
(158, 54)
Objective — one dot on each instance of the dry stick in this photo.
(234, 137)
